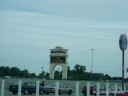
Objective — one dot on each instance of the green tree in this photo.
(47, 75)
(68, 73)
(32, 75)
(2, 71)
(25, 73)
(15, 72)
(42, 74)
(79, 68)
(107, 77)
(6, 71)
(79, 71)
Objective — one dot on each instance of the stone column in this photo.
(51, 72)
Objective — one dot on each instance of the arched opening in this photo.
(58, 72)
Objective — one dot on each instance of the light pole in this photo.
(92, 63)
(42, 69)
(24, 71)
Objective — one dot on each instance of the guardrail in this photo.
(57, 87)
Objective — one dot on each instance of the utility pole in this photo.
(92, 63)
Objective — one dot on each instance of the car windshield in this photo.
(118, 88)
(93, 85)
(16, 83)
(60, 85)
(53, 85)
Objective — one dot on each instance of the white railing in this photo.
(2, 88)
(88, 88)
(107, 89)
(77, 89)
(19, 87)
(37, 88)
(57, 87)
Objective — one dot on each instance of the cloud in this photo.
(29, 29)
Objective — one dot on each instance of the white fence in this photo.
(57, 87)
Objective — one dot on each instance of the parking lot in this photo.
(70, 84)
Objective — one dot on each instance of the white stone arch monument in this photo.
(58, 56)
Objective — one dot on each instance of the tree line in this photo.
(77, 73)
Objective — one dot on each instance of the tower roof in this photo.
(59, 47)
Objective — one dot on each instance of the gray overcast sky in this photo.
(30, 28)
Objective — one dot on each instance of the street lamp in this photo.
(92, 63)
(42, 69)
(24, 71)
